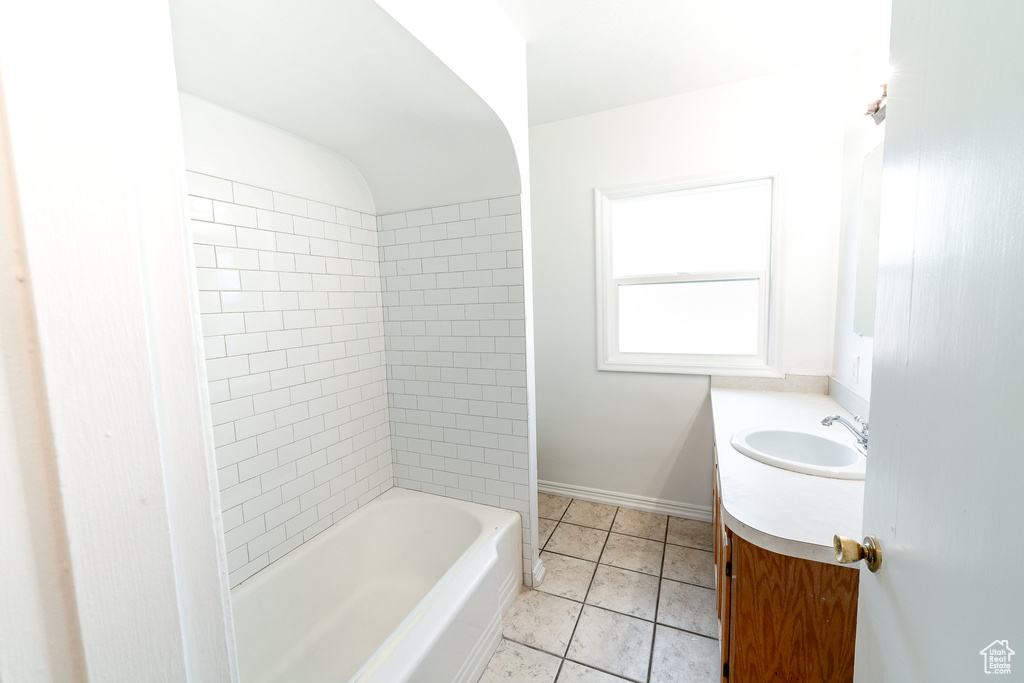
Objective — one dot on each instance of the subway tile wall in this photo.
(290, 295)
(455, 334)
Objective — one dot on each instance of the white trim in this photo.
(687, 277)
(692, 369)
(700, 513)
(762, 364)
(539, 571)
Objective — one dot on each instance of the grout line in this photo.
(562, 516)
(589, 586)
(690, 583)
(689, 547)
(597, 668)
(558, 672)
(657, 603)
(582, 559)
(532, 647)
(692, 633)
(622, 533)
(606, 609)
(606, 564)
(584, 526)
(597, 564)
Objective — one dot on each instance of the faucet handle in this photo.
(861, 421)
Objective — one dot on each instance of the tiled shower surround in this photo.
(456, 353)
(299, 301)
(291, 313)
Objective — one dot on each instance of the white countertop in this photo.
(781, 511)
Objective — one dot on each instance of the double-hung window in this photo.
(684, 277)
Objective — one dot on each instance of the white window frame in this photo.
(761, 364)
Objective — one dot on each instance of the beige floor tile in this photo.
(515, 662)
(551, 507)
(578, 541)
(566, 577)
(612, 642)
(688, 607)
(544, 529)
(629, 552)
(577, 673)
(689, 565)
(643, 524)
(594, 515)
(690, 533)
(541, 620)
(621, 590)
(681, 656)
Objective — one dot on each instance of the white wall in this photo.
(867, 70)
(116, 436)
(289, 290)
(649, 434)
(290, 294)
(456, 349)
(224, 144)
(348, 77)
(476, 40)
(483, 48)
(39, 637)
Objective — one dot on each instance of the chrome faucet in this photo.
(861, 433)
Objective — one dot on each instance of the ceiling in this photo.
(586, 56)
(345, 75)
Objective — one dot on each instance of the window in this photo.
(684, 277)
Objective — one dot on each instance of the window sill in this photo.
(677, 369)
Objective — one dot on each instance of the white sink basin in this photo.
(799, 451)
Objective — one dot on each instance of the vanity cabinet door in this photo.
(723, 577)
(781, 618)
(792, 619)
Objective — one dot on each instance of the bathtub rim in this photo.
(496, 521)
(493, 521)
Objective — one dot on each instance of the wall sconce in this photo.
(876, 109)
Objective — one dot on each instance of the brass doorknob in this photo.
(848, 551)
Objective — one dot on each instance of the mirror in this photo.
(867, 261)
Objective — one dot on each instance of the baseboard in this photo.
(701, 513)
(539, 572)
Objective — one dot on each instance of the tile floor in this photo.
(628, 595)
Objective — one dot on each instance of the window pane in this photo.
(715, 229)
(719, 318)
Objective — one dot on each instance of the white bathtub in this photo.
(410, 587)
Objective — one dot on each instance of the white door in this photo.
(945, 485)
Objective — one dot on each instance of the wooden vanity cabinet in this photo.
(781, 618)
(723, 578)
